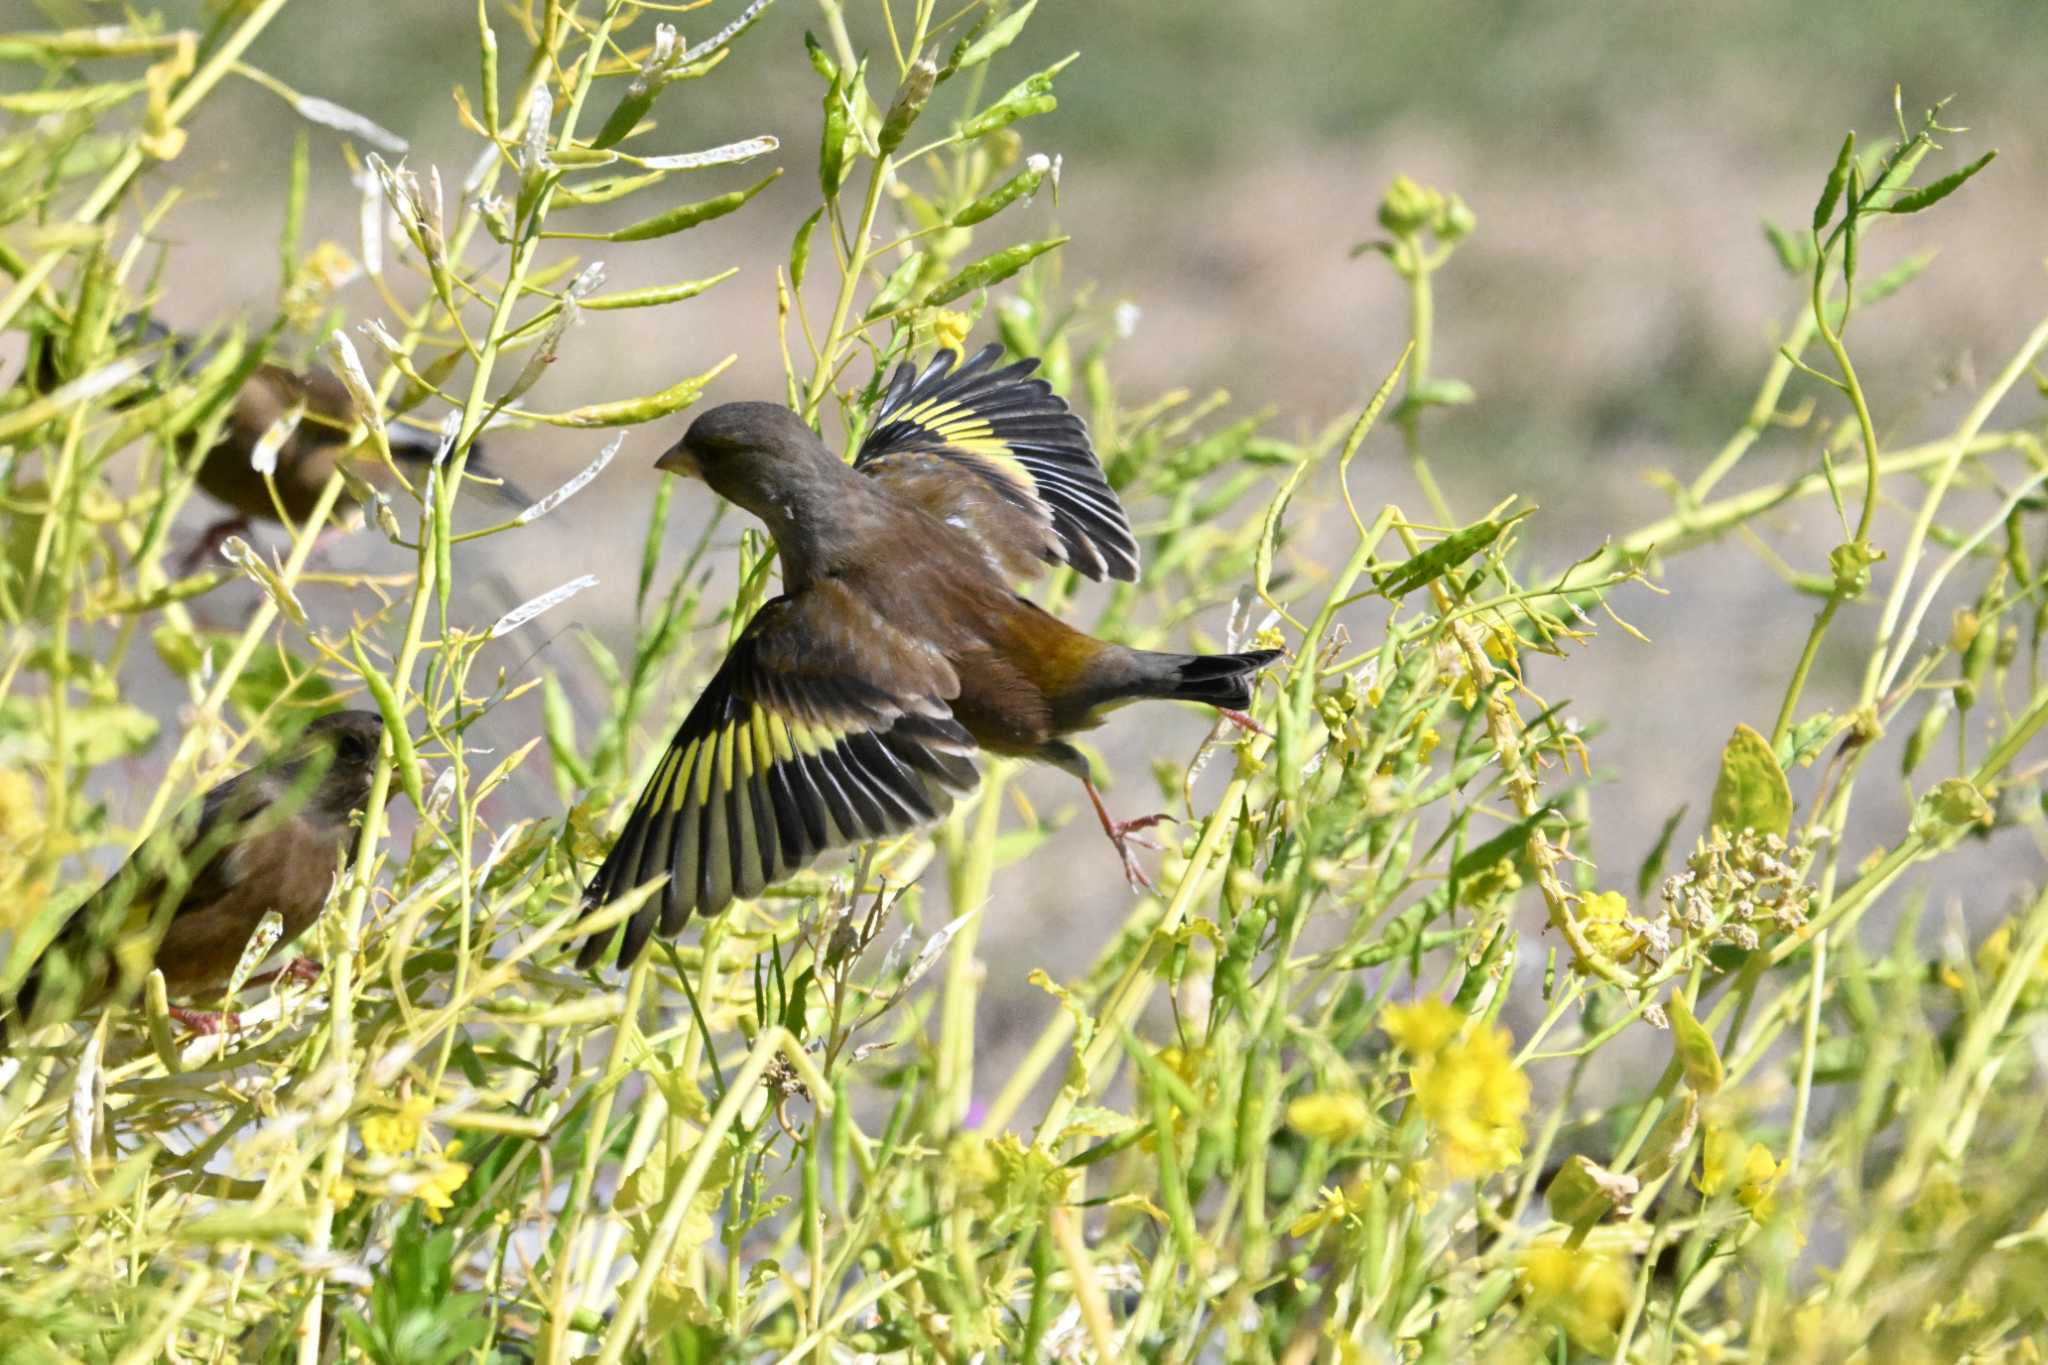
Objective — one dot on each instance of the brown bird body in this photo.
(851, 706)
(190, 898)
(307, 450)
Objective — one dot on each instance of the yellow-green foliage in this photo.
(1283, 1116)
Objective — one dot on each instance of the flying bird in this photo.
(853, 705)
(191, 897)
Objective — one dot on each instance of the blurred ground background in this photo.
(1614, 310)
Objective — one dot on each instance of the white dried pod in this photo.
(730, 154)
(331, 115)
(532, 607)
(576, 484)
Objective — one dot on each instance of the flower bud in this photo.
(1456, 221)
(1408, 207)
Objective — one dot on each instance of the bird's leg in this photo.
(1243, 721)
(205, 1022)
(209, 542)
(1123, 834)
(298, 969)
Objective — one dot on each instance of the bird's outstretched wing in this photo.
(825, 726)
(1003, 457)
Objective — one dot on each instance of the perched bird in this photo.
(304, 417)
(851, 707)
(191, 897)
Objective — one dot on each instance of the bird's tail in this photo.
(1222, 680)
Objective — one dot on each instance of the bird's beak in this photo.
(678, 459)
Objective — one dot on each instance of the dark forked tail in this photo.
(1221, 680)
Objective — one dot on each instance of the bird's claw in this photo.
(1124, 834)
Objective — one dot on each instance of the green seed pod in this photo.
(1022, 185)
(1977, 660)
(910, 99)
(1924, 734)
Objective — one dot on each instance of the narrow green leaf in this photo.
(999, 36)
(1440, 393)
(1794, 253)
(1697, 1056)
(1671, 1138)
(1895, 279)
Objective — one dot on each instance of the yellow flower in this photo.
(323, 271)
(1994, 955)
(437, 1187)
(1760, 1173)
(1332, 1207)
(1329, 1118)
(949, 329)
(1474, 1096)
(1751, 1171)
(1722, 1150)
(1583, 1292)
(1418, 1183)
(1604, 921)
(20, 809)
(1423, 1028)
(394, 1135)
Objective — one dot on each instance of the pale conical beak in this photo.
(678, 459)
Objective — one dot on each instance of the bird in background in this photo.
(305, 457)
(191, 897)
(853, 705)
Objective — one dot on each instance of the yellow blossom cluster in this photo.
(391, 1143)
(1995, 954)
(1751, 1172)
(1583, 1292)
(1605, 923)
(1466, 1083)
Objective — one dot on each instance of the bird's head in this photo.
(338, 754)
(758, 455)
